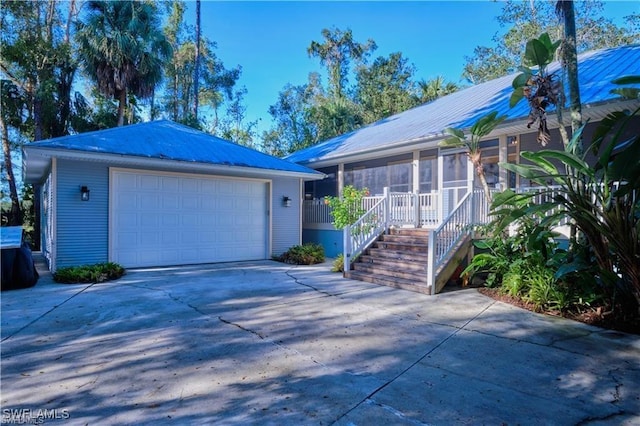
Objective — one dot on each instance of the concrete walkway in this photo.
(267, 343)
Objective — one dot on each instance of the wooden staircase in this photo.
(397, 259)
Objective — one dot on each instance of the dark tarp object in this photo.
(18, 268)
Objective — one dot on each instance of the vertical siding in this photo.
(286, 221)
(82, 226)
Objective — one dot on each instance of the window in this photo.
(428, 174)
(455, 170)
(400, 177)
(396, 176)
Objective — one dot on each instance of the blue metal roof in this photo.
(169, 141)
(463, 108)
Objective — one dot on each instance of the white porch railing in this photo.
(424, 210)
(366, 230)
(316, 212)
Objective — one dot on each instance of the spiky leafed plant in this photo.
(602, 200)
(479, 130)
(541, 88)
(122, 49)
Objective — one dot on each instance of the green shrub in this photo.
(514, 281)
(306, 254)
(89, 273)
(338, 264)
(348, 209)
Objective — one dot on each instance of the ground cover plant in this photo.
(89, 273)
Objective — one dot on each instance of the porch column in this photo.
(503, 157)
(471, 175)
(440, 199)
(415, 166)
(340, 179)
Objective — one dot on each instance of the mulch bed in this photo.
(598, 316)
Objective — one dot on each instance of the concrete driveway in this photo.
(267, 343)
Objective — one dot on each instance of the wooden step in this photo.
(401, 283)
(400, 246)
(390, 271)
(394, 263)
(416, 232)
(398, 255)
(406, 239)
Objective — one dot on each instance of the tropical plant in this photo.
(542, 89)
(338, 263)
(481, 128)
(602, 201)
(493, 261)
(122, 49)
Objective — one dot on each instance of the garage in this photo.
(162, 194)
(176, 219)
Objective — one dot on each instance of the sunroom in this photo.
(415, 182)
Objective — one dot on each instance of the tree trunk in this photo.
(196, 68)
(570, 64)
(122, 101)
(476, 160)
(483, 182)
(15, 215)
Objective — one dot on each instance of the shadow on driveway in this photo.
(268, 343)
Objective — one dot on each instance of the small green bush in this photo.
(306, 254)
(89, 273)
(338, 264)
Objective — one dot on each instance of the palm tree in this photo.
(435, 88)
(122, 49)
(480, 129)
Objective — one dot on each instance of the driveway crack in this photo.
(297, 281)
(273, 342)
(369, 398)
(48, 312)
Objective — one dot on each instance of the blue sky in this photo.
(269, 39)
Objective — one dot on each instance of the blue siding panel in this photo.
(331, 240)
(82, 226)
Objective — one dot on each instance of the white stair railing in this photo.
(471, 210)
(365, 230)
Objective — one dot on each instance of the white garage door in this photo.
(173, 219)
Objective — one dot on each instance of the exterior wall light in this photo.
(84, 193)
(286, 201)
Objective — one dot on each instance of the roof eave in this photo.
(518, 125)
(41, 158)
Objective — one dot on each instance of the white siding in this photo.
(286, 221)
